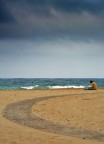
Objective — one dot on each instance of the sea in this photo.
(47, 83)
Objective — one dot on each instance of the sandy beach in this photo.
(58, 116)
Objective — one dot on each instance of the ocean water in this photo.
(47, 83)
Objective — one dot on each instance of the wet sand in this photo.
(52, 116)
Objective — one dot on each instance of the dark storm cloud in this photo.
(74, 6)
(84, 5)
(5, 16)
(51, 18)
(78, 6)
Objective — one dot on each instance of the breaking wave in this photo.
(59, 87)
(29, 87)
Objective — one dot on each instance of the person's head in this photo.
(91, 81)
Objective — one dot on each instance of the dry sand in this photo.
(80, 109)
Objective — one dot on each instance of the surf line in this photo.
(21, 113)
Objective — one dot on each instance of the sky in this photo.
(51, 38)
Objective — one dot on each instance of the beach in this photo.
(76, 116)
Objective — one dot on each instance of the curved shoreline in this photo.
(21, 113)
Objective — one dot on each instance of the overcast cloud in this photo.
(51, 38)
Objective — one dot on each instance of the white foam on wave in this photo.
(59, 87)
(28, 87)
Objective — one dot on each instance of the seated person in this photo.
(92, 87)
